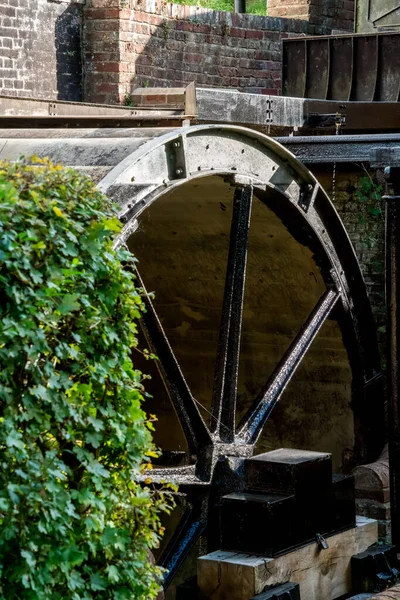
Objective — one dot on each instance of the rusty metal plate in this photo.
(295, 69)
(356, 67)
(375, 15)
(388, 81)
(318, 56)
(365, 63)
(341, 68)
(360, 116)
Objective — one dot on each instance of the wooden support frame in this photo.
(321, 574)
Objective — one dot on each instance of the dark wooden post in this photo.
(393, 347)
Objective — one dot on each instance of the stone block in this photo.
(258, 523)
(327, 509)
(289, 471)
(375, 569)
(240, 576)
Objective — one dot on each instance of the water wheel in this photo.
(258, 298)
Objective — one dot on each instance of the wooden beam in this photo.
(392, 594)
(321, 574)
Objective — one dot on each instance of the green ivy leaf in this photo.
(14, 439)
(73, 434)
(97, 582)
(29, 557)
(73, 556)
(69, 303)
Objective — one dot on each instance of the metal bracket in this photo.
(52, 109)
(308, 193)
(269, 118)
(242, 180)
(176, 161)
(321, 541)
(330, 120)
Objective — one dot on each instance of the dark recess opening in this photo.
(68, 37)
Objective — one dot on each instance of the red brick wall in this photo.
(129, 43)
(323, 15)
(157, 44)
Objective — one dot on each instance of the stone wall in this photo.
(323, 15)
(157, 44)
(40, 49)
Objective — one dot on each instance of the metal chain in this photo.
(334, 183)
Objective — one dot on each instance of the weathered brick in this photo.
(8, 11)
(236, 32)
(182, 43)
(326, 15)
(159, 43)
(49, 34)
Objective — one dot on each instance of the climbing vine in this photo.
(370, 208)
(128, 100)
(75, 523)
(165, 26)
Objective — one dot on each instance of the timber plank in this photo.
(321, 574)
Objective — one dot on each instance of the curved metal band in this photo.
(180, 155)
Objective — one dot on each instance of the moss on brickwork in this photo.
(363, 217)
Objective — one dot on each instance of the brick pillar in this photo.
(324, 15)
(108, 40)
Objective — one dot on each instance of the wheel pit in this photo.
(298, 255)
(182, 244)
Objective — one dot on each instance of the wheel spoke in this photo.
(251, 425)
(227, 363)
(191, 526)
(180, 475)
(193, 425)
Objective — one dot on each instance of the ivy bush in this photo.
(75, 524)
(369, 196)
